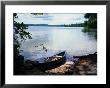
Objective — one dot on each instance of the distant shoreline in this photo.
(63, 25)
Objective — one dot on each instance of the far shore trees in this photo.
(91, 22)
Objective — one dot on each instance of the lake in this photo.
(57, 39)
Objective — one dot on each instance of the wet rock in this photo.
(79, 68)
(91, 72)
(82, 72)
(66, 68)
(28, 65)
(85, 66)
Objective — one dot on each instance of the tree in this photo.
(90, 25)
(20, 34)
(91, 20)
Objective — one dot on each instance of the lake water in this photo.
(56, 39)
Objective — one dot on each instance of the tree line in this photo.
(91, 22)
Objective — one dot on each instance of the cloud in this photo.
(54, 18)
(66, 18)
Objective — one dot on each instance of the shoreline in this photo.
(84, 65)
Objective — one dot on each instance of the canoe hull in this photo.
(49, 64)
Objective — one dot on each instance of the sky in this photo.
(51, 18)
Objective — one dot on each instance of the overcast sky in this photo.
(51, 18)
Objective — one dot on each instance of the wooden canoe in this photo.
(53, 61)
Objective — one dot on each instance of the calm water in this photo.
(56, 39)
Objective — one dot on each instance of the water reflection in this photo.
(91, 35)
(71, 39)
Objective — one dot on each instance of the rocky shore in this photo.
(84, 65)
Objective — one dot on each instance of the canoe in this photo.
(86, 56)
(93, 57)
(53, 61)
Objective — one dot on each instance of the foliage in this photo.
(91, 20)
(87, 15)
(37, 13)
(20, 34)
(91, 23)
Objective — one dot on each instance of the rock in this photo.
(82, 72)
(85, 66)
(28, 65)
(66, 68)
(91, 72)
(80, 68)
(69, 63)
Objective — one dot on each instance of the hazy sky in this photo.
(50, 18)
